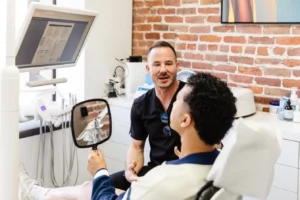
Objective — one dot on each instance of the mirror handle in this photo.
(95, 149)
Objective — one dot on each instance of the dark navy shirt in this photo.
(203, 158)
(146, 122)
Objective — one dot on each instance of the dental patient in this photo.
(202, 114)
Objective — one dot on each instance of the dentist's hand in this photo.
(95, 162)
(130, 174)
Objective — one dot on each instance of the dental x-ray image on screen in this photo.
(260, 11)
(91, 123)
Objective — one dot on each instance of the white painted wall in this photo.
(2, 33)
(110, 39)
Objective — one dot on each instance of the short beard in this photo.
(169, 85)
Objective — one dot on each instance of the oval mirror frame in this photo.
(91, 123)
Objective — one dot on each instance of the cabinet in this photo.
(116, 148)
(285, 185)
(289, 154)
(279, 194)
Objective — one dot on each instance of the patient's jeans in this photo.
(120, 182)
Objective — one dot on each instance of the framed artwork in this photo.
(260, 11)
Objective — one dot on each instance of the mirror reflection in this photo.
(91, 123)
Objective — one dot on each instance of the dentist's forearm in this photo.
(135, 153)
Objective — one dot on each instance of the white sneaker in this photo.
(26, 183)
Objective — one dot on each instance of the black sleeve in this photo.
(137, 128)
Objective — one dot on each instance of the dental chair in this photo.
(245, 166)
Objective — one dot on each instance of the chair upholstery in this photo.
(245, 166)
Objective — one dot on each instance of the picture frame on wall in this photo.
(260, 11)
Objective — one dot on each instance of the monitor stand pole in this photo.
(9, 113)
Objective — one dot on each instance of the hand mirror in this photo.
(91, 123)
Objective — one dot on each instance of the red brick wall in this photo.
(264, 58)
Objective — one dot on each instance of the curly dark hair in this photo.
(212, 106)
(162, 44)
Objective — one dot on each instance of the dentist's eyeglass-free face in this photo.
(162, 66)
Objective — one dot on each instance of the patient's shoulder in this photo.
(169, 181)
(191, 171)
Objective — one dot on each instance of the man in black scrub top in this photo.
(150, 117)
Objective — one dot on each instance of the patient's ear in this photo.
(186, 120)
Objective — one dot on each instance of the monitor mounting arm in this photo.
(36, 79)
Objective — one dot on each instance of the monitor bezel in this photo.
(41, 6)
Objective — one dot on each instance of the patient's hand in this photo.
(95, 162)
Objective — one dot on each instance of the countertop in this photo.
(290, 130)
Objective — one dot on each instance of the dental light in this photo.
(34, 52)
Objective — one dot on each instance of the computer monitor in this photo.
(52, 37)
